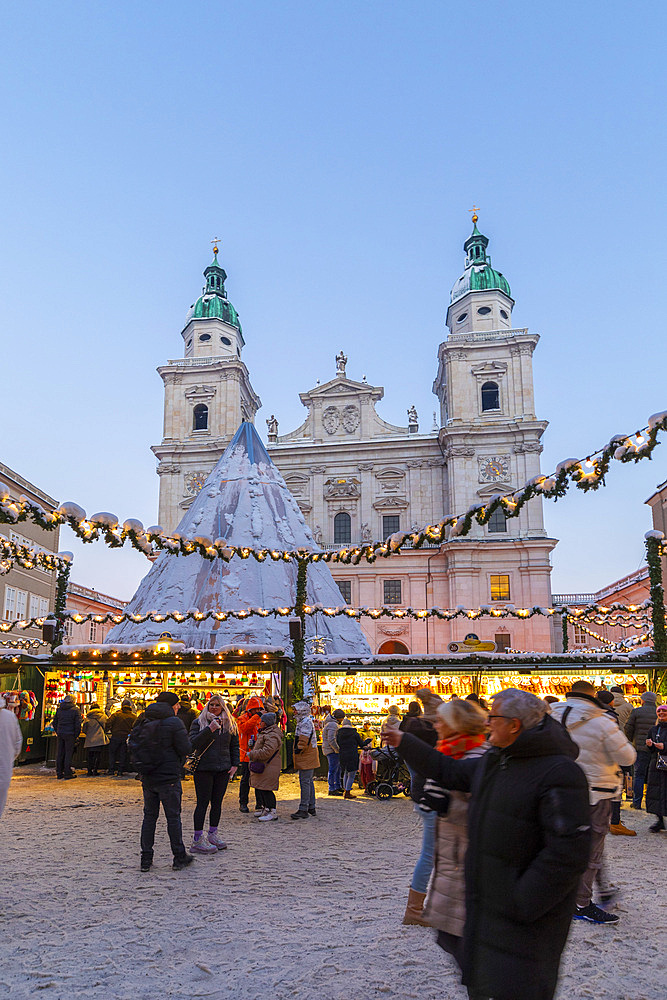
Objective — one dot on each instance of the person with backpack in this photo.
(66, 726)
(158, 746)
(306, 759)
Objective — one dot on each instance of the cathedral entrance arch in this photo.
(394, 646)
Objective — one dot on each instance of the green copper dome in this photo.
(479, 276)
(213, 302)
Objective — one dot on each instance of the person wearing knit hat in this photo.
(118, 727)
(618, 829)
(265, 765)
(96, 737)
(640, 721)
(67, 726)
(248, 718)
(390, 722)
(306, 759)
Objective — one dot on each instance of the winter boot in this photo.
(299, 814)
(621, 831)
(348, 795)
(202, 845)
(413, 911)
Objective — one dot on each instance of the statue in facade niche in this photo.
(272, 427)
(317, 534)
(366, 533)
(341, 361)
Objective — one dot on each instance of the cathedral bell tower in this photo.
(207, 394)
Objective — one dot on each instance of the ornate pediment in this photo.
(200, 392)
(489, 369)
(391, 480)
(342, 489)
(390, 503)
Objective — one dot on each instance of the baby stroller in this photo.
(392, 776)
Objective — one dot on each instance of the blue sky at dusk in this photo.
(336, 148)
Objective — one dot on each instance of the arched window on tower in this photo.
(200, 417)
(342, 528)
(490, 396)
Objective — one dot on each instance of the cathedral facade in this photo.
(357, 478)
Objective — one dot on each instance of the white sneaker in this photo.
(268, 815)
(217, 841)
(203, 846)
(260, 812)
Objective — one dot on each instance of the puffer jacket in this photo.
(221, 748)
(306, 754)
(622, 707)
(121, 723)
(602, 745)
(174, 744)
(330, 735)
(350, 743)
(656, 783)
(67, 720)
(445, 907)
(529, 843)
(93, 727)
(640, 721)
(248, 724)
(267, 743)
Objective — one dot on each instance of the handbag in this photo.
(191, 762)
(257, 766)
(661, 762)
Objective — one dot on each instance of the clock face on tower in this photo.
(194, 482)
(494, 469)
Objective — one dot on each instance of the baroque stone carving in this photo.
(351, 418)
(168, 469)
(200, 392)
(529, 447)
(341, 361)
(331, 419)
(342, 489)
(400, 629)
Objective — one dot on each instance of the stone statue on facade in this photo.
(317, 534)
(341, 361)
(413, 420)
(366, 533)
(272, 427)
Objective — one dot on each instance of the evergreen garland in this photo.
(299, 645)
(653, 550)
(61, 603)
(566, 640)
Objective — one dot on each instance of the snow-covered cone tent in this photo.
(246, 501)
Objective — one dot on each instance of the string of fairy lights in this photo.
(29, 557)
(585, 474)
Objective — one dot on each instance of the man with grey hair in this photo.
(528, 844)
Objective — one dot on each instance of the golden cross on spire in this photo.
(215, 242)
(474, 211)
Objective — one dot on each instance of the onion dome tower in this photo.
(481, 298)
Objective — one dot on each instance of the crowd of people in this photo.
(515, 800)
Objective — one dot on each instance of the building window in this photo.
(391, 523)
(342, 528)
(500, 587)
(93, 632)
(226, 341)
(43, 607)
(345, 587)
(34, 606)
(497, 523)
(484, 310)
(10, 604)
(200, 417)
(580, 637)
(392, 591)
(204, 337)
(393, 646)
(503, 642)
(490, 396)
(69, 628)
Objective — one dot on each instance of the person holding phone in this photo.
(215, 736)
(656, 786)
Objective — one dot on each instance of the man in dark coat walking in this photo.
(529, 839)
(67, 726)
(159, 745)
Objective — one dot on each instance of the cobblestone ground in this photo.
(291, 910)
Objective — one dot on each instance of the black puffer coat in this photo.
(67, 720)
(639, 722)
(174, 741)
(529, 839)
(349, 745)
(223, 748)
(656, 785)
(418, 726)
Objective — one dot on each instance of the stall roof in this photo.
(492, 661)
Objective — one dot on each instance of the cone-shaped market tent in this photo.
(246, 501)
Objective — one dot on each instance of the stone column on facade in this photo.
(320, 513)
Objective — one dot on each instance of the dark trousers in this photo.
(265, 800)
(117, 754)
(210, 787)
(639, 778)
(93, 755)
(64, 751)
(244, 784)
(169, 794)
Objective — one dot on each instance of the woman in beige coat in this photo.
(266, 751)
(461, 726)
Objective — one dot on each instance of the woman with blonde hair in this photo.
(214, 736)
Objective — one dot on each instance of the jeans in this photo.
(64, 751)
(210, 787)
(265, 800)
(348, 780)
(600, 815)
(307, 786)
(117, 754)
(422, 873)
(334, 772)
(169, 794)
(639, 779)
(244, 784)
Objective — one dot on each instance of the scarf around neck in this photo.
(459, 744)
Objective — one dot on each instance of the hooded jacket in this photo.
(174, 744)
(306, 754)
(602, 745)
(622, 707)
(330, 735)
(67, 720)
(641, 720)
(267, 746)
(93, 727)
(529, 840)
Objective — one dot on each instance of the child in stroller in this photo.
(392, 776)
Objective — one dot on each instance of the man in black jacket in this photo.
(67, 726)
(162, 782)
(529, 838)
(639, 722)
